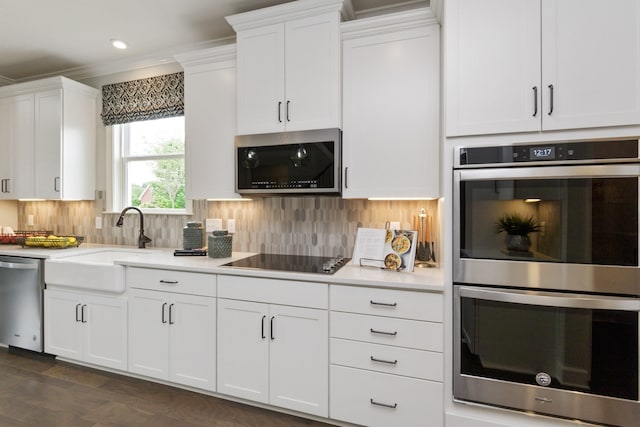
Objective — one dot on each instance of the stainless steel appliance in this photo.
(21, 302)
(583, 196)
(550, 325)
(292, 263)
(292, 163)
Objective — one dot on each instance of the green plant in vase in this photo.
(518, 229)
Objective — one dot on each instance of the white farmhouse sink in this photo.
(94, 270)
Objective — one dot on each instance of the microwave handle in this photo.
(346, 177)
(551, 299)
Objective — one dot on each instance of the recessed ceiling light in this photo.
(118, 44)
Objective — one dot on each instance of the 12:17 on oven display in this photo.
(542, 153)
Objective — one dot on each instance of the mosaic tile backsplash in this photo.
(324, 226)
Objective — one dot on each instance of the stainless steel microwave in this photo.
(289, 163)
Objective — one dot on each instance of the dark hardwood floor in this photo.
(37, 390)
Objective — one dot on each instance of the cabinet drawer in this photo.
(389, 331)
(427, 365)
(172, 281)
(274, 291)
(387, 302)
(375, 399)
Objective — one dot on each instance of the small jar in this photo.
(193, 235)
(220, 243)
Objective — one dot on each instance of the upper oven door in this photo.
(587, 227)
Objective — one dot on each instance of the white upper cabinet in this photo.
(591, 57)
(210, 122)
(52, 129)
(289, 67)
(6, 148)
(391, 98)
(532, 65)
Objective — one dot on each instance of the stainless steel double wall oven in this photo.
(547, 278)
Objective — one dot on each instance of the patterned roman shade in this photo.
(144, 99)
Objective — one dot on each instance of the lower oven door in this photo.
(570, 355)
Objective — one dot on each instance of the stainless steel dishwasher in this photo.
(21, 305)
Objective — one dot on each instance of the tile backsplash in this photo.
(323, 226)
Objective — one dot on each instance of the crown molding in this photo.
(388, 23)
(289, 11)
(395, 8)
(6, 81)
(165, 57)
(207, 56)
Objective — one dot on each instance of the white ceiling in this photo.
(43, 37)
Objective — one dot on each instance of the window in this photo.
(149, 167)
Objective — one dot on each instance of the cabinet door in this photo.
(392, 124)
(312, 58)
(149, 333)
(63, 333)
(48, 137)
(192, 325)
(6, 164)
(210, 127)
(591, 56)
(105, 331)
(23, 143)
(493, 66)
(243, 349)
(261, 79)
(299, 355)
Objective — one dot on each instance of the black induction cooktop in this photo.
(291, 263)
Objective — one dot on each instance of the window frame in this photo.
(117, 167)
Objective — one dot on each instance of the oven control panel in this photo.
(566, 152)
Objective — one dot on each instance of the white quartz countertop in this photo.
(422, 279)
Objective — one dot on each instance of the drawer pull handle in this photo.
(374, 331)
(385, 304)
(171, 322)
(263, 335)
(386, 405)
(78, 319)
(390, 362)
(169, 282)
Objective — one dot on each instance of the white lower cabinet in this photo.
(375, 399)
(386, 357)
(172, 336)
(86, 327)
(273, 353)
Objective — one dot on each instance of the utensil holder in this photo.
(220, 243)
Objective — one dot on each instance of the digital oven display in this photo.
(542, 153)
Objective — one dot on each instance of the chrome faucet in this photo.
(142, 239)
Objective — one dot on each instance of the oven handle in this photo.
(551, 299)
(549, 172)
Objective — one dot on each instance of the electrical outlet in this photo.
(98, 223)
(394, 225)
(231, 226)
(30, 220)
(213, 224)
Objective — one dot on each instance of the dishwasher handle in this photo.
(19, 265)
